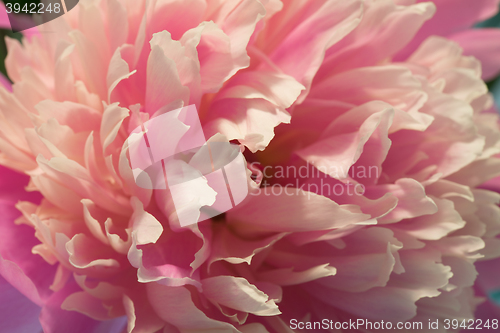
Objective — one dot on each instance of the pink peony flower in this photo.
(366, 138)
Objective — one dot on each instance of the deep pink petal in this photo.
(4, 18)
(5, 83)
(17, 313)
(56, 320)
(482, 44)
(16, 241)
(451, 17)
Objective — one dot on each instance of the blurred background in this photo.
(493, 85)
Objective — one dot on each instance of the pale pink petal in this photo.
(78, 117)
(85, 252)
(146, 227)
(12, 141)
(490, 168)
(74, 176)
(187, 68)
(251, 122)
(149, 239)
(118, 27)
(412, 200)
(63, 75)
(435, 226)
(392, 84)
(279, 89)
(437, 54)
(288, 213)
(210, 47)
(223, 289)
(360, 268)
(289, 277)
(229, 247)
(238, 20)
(85, 304)
(118, 70)
(20, 267)
(396, 302)
(175, 305)
(337, 152)
(112, 120)
(94, 70)
(249, 112)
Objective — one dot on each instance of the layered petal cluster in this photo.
(383, 220)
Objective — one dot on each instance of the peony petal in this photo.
(163, 83)
(229, 247)
(85, 304)
(238, 20)
(76, 179)
(118, 28)
(444, 24)
(476, 43)
(4, 82)
(248, 110)
(362, 267)
(186, 64)
(396, 302)
(435, 226)
(118, 70)
(85, 252)
(335, 154)
(141, 317)
(323, 27)
(288, 277)
(63, 76)
(18, 313)
(94, 67)
(175, 305)
(285, 213)
(392, 84)
(471, 176)
(210, 48)
(56, 320)
(78, 117)
(251, 122)
(279, 89)
(146, 227)
(239, 294)
(24, 270)
(412, 200)
(112, 120)
(370, 44)
(16, 277)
